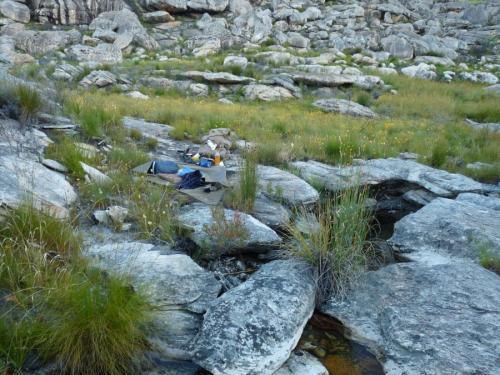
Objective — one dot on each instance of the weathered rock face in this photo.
(198, 217)
(98, 78)
(450, 229)
(73, 12)
(253, 328)
(422, 319)
(38, 43)
(345, 107)
(302, 363)
(15, 11)
(285, 186)
(378, 171)
(124, 28)
(102, 54)
(266, 93)
(181, 6)
(270, 212)
(219, 77)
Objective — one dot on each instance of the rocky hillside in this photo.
(249, 188)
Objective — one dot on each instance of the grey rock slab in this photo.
(323, 80)
(171, 280)
(198, 216)
(158, 17)
(98, 78)
(24, 179)
(345, 107)
(94, 175)
(266, 93)
(378, 171)
(253, 328)
(54, 165)
(421, 319)
(286, 187)
(302, 363)
(447, 229)
(219, 77)
(15, 11)
(148, 129)
(104, 53)
(270, 212)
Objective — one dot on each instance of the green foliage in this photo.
(489, 260)
(69, 154)
(439, 153)
(363, 98)
(336, 244)
(29, 101)
(135, 134)
(125, 159)
(243, 197)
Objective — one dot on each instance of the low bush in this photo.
(30, 103)
(243, 196)
(336, 245)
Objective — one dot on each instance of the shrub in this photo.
(70, 155)
(135, 134)
(363, 98)
(439, 153)
(243, 197)
(152, 143)
(489, 260)
(336, 246)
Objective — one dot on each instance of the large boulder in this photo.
(266, 93)
(254, 26)
(217, 77)
(398, 47)
(181, 6)
(285, 187)
(199, 218)
(379, 171)
(345, 107)
(424, 319)
(450, 229)
(104, 53)
(14, 10)
(126, 25)
(252, 329)
(27, 180)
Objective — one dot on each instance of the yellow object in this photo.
(196, 158)
(217, 159)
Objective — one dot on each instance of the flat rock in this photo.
(345, 107)
(378, 171)
(170, 279)
(24, 179)
(266, 93)
(94, 175)
(104, 53)
(302, 363)
(448, 229)
(15, 11)
(98, 78)
(148, 129)
(422, 319)
(54, 165)
(198, 217)
(285, 187)
(253, 328)
(219, 77)
(270, 212)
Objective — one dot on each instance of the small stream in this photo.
(324, 338)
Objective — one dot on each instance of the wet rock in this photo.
(14, 10)
(423, 319)
(199, 217)
(24, 179)
(345, 107)
(450, 229)
(252, 328)
(266, 93)
(285, 187)
(379, 171)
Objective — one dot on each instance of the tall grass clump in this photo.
(69, 154)
(336, 245)
(60, 309)
(30, 103)
(243, 196)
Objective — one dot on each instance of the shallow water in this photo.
(324, 338)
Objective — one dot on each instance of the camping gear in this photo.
(206, 163)
(191, 180)
(163, 166)
(184, 170)
(217, 158)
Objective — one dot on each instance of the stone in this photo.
(172, 279)
(270, 212)
(491, 126)
(277, 58)
(397, 46)
(422, 71)
(297, 40)
(148, 129)
(197, 217)
(157, 17)
(345, 107)
(482, 77)
(426, 319)
(26, 179)
(285, 187)
(379, 171)
(218, 77)
(15, 11)
(450, 229)
(98, 78)
(210, 47)
(137, 95)
(54, 165)
(114, 215)
(253, 328)
(266, 93)
(66, 72)
(207, 5)
(9, 55)
(302, 363)
(240, 61)
(254, 26)
(94, 175)
(104, 53)
(41, 43)
(493, 88)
